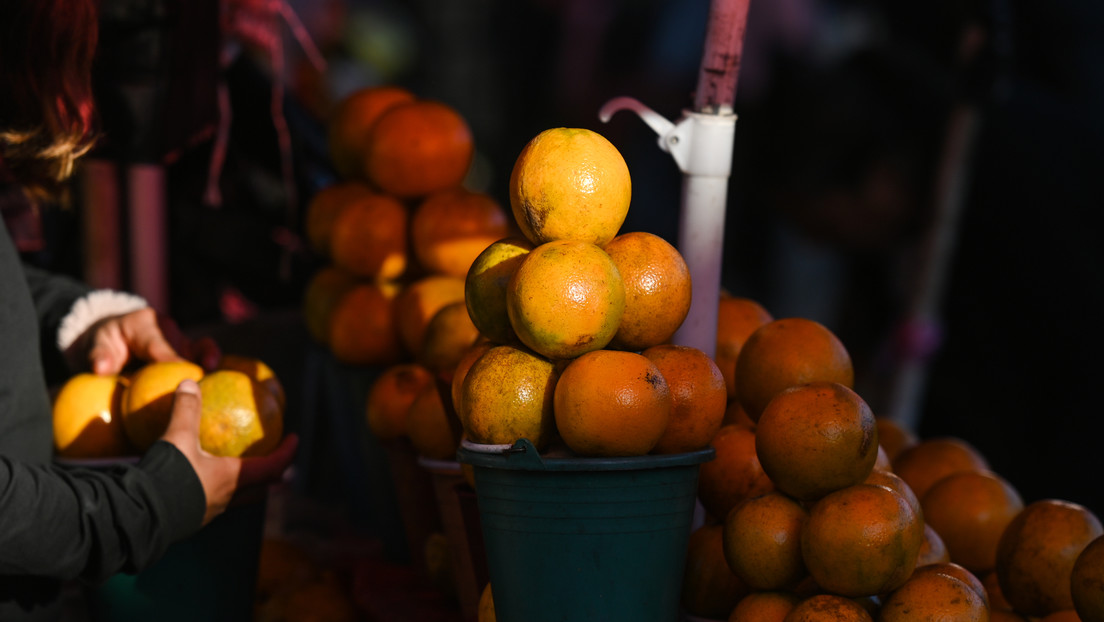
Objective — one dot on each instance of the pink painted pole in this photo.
(724, 46)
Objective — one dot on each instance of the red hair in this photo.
(46, 115)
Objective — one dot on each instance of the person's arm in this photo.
(87, 524)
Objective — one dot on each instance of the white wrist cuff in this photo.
(93, 307)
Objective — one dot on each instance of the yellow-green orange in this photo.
(565, 299)
(570, 184)
(507, 395)
(239, 416)
(485, 286)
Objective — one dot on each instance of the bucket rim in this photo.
(523, 455)
(434, 465)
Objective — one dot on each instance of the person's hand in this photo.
(221, 477)
(108, 345)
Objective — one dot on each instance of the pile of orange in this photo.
(827, 512)
(113, 416)
(577, 318)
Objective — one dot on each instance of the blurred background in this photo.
(887, 156)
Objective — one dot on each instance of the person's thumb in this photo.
(184, 424)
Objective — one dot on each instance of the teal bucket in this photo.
(578, 539)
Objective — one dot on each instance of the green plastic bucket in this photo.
(577, 539)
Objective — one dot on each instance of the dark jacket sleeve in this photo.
(89, 524)
(53, 296)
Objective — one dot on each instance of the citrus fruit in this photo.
(485, 286)
(862, 540)
(815, 438)
(784, 353)
(611, 403)
(390, 396)
(697, 397)
(764, 607)
(893, 437)
(893, 482)
(828, 608)
(970, 510)
(368, 237)
(146, 404)
(997, 601)
(932, 459)
(352, 119)
(322, 294)
(324, 207)
(362, 327)
(450, 228)
(709, 588)
(418, 302)
(1087, 582)
(959, 572)
(737, 319)
(258, 370)
(657, 289)
(417, 148)
(448, 336)
(762, 541)
(570, 184)
(468, 359)
(734, 474)
(1037, 551)
(932, 550)
(734, 413)
(428, 428)
(240, 417)
(508, 395)
(565, 299)
(87, 423)
(933, 596)
(485, 612)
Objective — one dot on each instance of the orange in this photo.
(697, 397)
(893, 437)
(470, 356)
(1037, 551)
(764, 607)
(146, 404)
(933, 459)
(362, 327)
(734, 474)
(390, 396)
(762, 541)
(862, 540)
(828, 608)
(368, 237)
(737, 319)
(324, 207)
(734, 413)
(997, 601)
(970, 510)
(612, 403)
(892, 481)
(485, 286)
(258, 370)
(418, 302)
(933, 596)
(352, 119)
(240, 417)
(709, 587)
(418, 148)
(933, 550)
(428, 428)
(882, 462)
(959, 572)
(508, 395)
(785, 353)
(565, 299)
(86, 417)
(657, 289)
(485, 612)
(1087, 582)
(570, 184)
(450, 228)
(323, 292)
(448, 336)
(815, 438)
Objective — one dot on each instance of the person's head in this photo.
(46, 111)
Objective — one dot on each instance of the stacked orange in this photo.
(579, 316)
